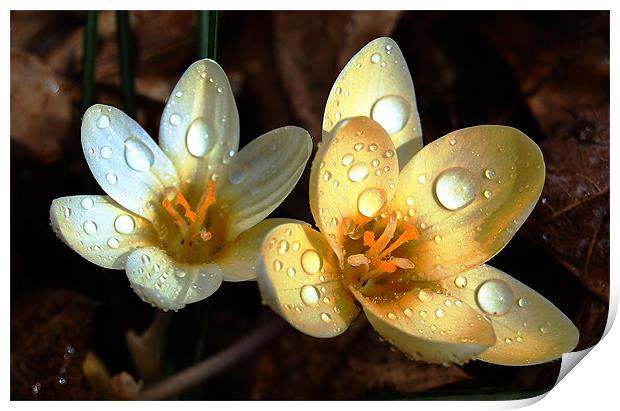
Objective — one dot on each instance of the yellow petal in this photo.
(125, 161)
(376, 83)
(99, 229)
(429, 326)
(261, 175)
(199, 128)
(468, 193)
(353, 178)
(529, 329)
(238, 260)
(169, 284)
(299, 278)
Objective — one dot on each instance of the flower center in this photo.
(378, 258)
(194, 227)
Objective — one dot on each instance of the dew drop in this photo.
(175, 119)
(291, 272)
(440, 313)
(309, 294)
(311, 261)
(375, 58)
(327, 175)
(106, 152)
(124, 224)
(495, 297)
(487, 194)
(90, 227)
(282, 247)
(544, 329)
(422, 179)
(392, 112)
(197, 139)
(137, 155)
(111, 177)
(391, 315)
(522, 302)
(178, 94)
(371, 201)
(67, 212)
(87, 203)
(145, 259)
(455, 188)
(425, 295)
(347, 159)
(388, 154)
(180, 273)
(358, 172)
(277, 265)
(325, 317)
(460, 281)
(103, 121)
(113, 243)
(408, 312)
(489, 173)
(508, 340)
(358, 146)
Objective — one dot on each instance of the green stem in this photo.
(208, 32)
(125, 56)
(88, 68)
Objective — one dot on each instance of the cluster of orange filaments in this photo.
(378, 258)
(190, 223)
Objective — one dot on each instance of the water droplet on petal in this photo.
(347, 159)
(391, 315)
(103, 121)
(325, 317)
(460, 281)
(371, 201)
(291, 272)
(311, 261)
(282, 247)
(90, 227)
(375, 58)
(358, 146)
(106, 152)
(522, 302)
(145, 259)
(408, 312)
(238, 174)
(425, 295)
(113, 243)
(197, 139)
(440, 313)
(180, 273)
(358, 172)
(277, 265)
(455, 188)
(309, 294)
(495, 297)
(487, 194)
(124, 224)
(422, 179)
(87, 203)
(137, 155)
(175, 119)
(111, 177)
(392, 112)
(489, 173)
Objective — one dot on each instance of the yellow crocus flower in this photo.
(409, 243)
(182, 216)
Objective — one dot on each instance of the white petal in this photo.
(199, 129)
(238, 259)
(169, 284)
(100, 230)
(261, 175)
(125, 161)
(376, 83)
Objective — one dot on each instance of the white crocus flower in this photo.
(183, 216)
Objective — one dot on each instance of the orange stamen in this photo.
(207, 199)
(387, 266)
(176, 217)
(369, 239)
(410, 233)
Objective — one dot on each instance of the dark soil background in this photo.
(546, 73)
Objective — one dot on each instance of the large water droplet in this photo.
(358, 172)
(392, 112)
(124, 224)
(371, 201)
(309, 294)
(197, 139)
(311, 261)
(137, 155)
(103, 121)
(455, 188)
(90, 227)
(495, 297)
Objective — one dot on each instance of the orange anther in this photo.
(387, 266)
(369, 239)
(207, 199)
(182, 201)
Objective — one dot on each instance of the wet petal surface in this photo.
(429, 326)
(261, 175)
(126, 162)
(199, 128)
(376, 83)
(99, 230)
(529, 328)
(468, 193)
(168, 284)
(300, 280)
